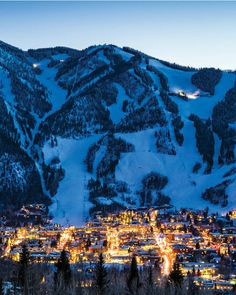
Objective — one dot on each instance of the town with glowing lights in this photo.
(203, 244)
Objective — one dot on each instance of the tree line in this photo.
(62, 278)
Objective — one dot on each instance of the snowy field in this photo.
(71, 205)
(184, 187)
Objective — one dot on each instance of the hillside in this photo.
(108, 127)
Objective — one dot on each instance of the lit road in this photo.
(166, 253)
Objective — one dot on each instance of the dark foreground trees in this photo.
(23, 274)
(133, 282)
(1, 287)
(63, 274)
(101, 275)
(176, 275)
(93, 278)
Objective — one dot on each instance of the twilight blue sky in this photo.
(188, 33)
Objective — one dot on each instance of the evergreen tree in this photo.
(23, 269)
(150, 276)
(101, 275)
(133, 278)
(191, 285)
(198, 246)
(193, 271)
(88, 244)
(63, 271)
(1, 287)
(176, 275)
(234, 288)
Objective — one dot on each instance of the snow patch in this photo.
(71, 204)
(57, 95)
(184, 187)
(203, 105)
(115, 109)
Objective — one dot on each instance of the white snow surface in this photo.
(115, 109)
(57, 95)
(184, 187)
(177, 79)
(71, 205)
(181, 81)
(125, 55)
(203, 105)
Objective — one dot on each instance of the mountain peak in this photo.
(107, 127)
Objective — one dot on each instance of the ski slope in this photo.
(71, 205)
(184, 187)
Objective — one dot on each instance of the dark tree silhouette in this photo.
(176, 275)
(23, 269)
(63, 271)
(101, 275)
(133, 278)
(88, 244)
(150, 276)
(191, 286)
(1, 287)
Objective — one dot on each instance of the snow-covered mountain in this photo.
(108, 127)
